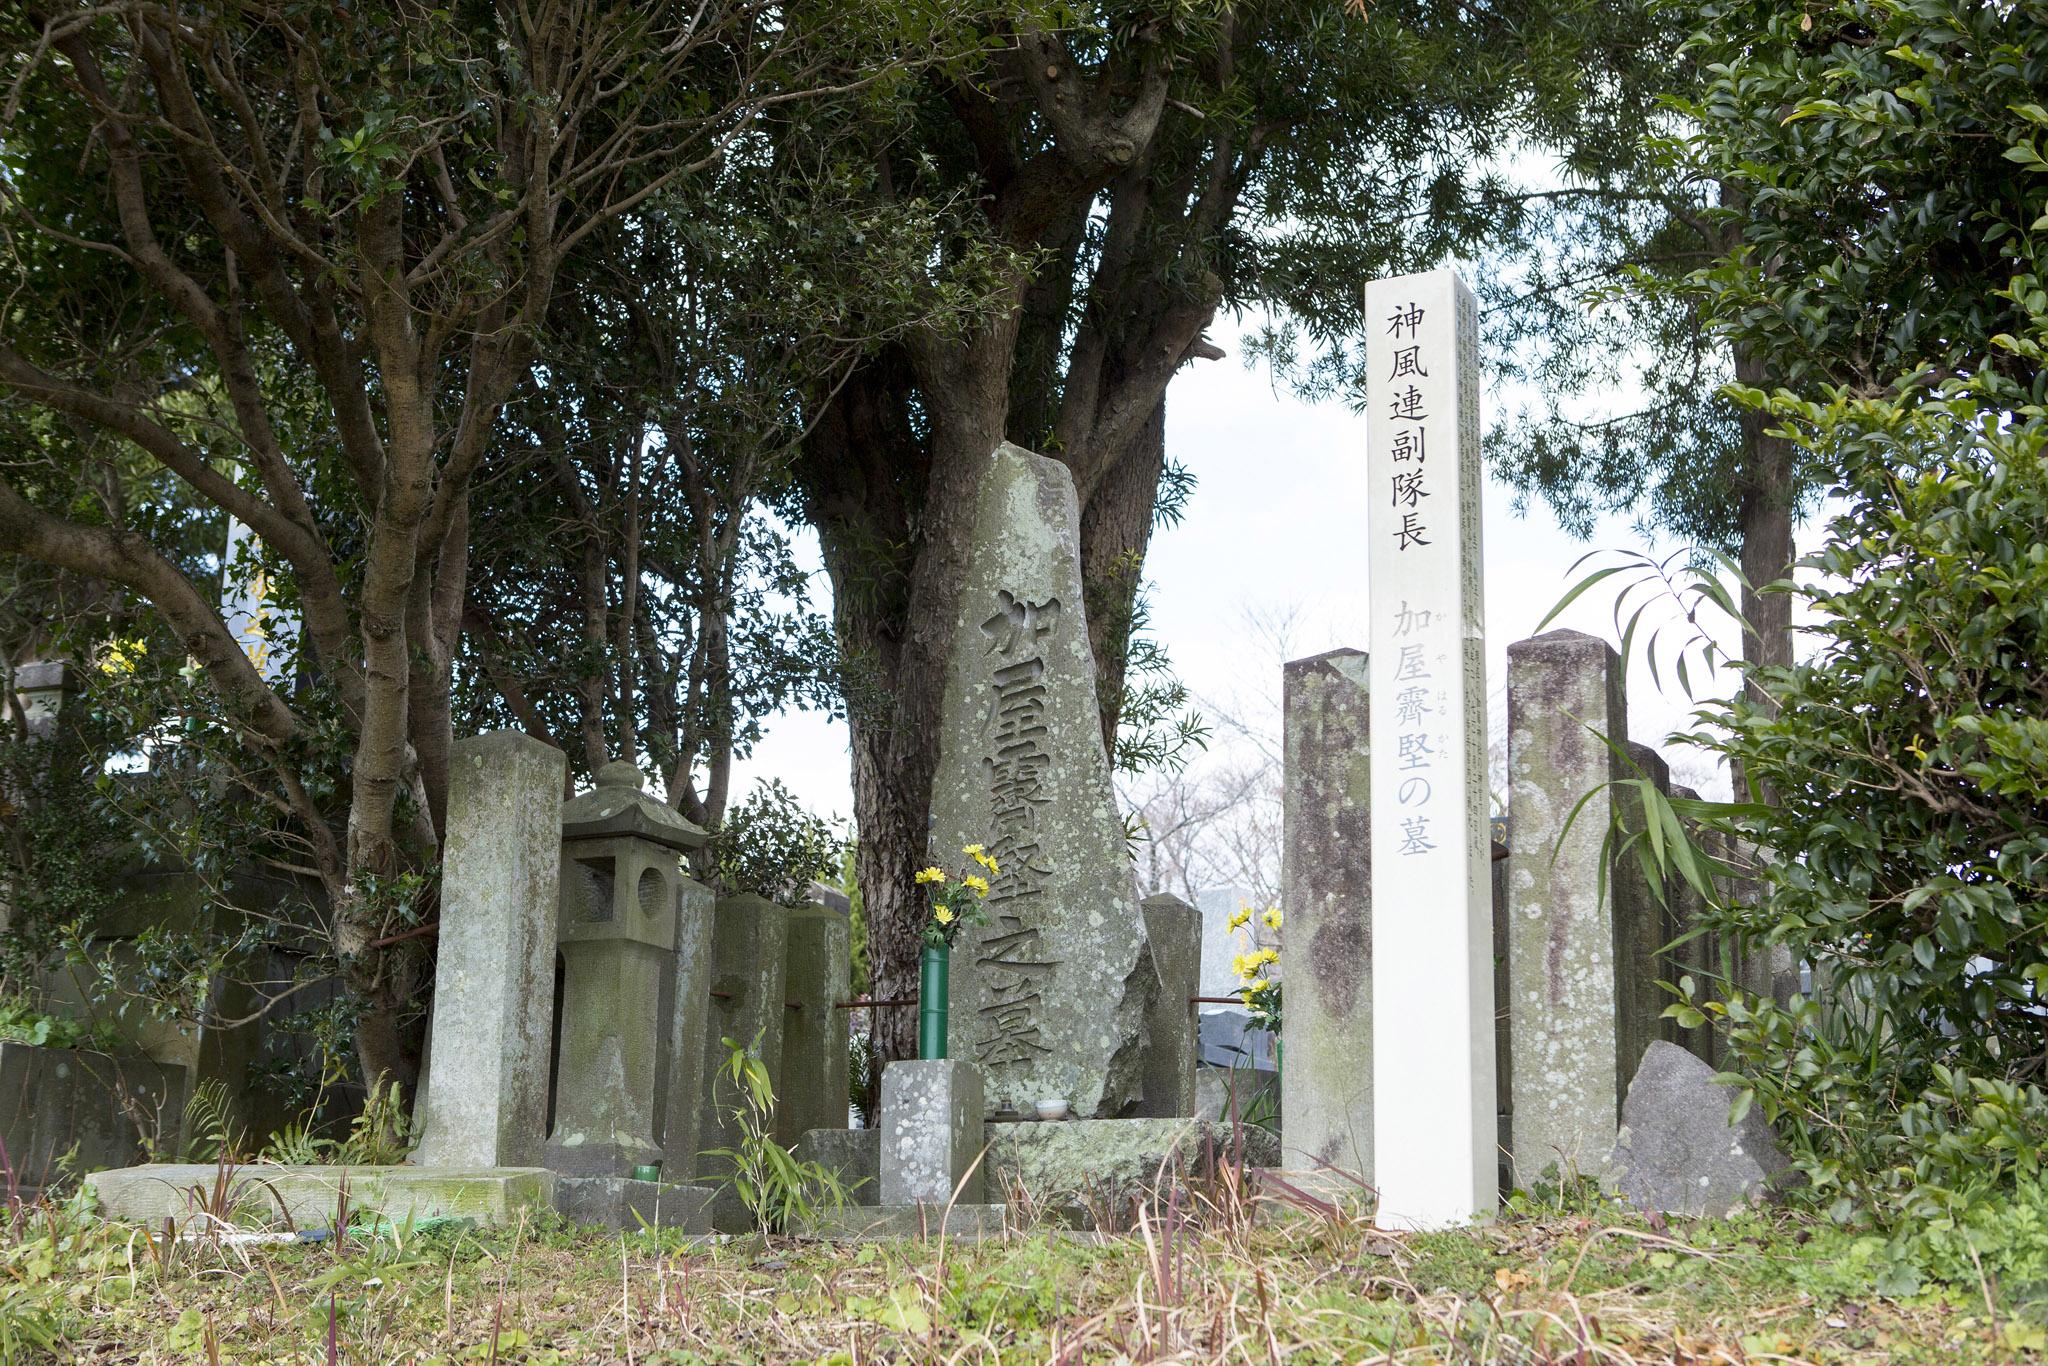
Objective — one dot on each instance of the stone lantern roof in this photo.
(619, 806)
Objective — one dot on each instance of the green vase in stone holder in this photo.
(932, 1000)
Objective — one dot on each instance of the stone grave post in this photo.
(1050, 998)
(1435, 1126)
(1582, 964)
(1326, 898)
(813, 1087)
(485, 1101)
(1174, 930)
(749, 957)
(686, 1007)
(622, 853)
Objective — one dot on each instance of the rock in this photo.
(1050, 998)
(1677, 1153)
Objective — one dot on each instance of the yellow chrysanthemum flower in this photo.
(973, 850)
(1248, 996)
(1242, 918)
(985, 861)
(931, 875)
(1272, 917)
(1266, 956)
(943, 915)
(1261, 985)
(978, 884)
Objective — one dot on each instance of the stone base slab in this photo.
(867, 1223)
(309, 1196)
(1065, 1164)
(622, 1203)
(1086, 1161)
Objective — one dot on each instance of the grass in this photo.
(1580, 1286)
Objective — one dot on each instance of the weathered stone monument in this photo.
(1050, 998)
(1326, 895)
(1582, 937)
(485, 1102)
(1434, 1118)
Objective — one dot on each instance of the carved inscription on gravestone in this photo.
(1012, 958)
(1049, 996)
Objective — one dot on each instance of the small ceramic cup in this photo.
(1051, 1108)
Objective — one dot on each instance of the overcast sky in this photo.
(1275, 528)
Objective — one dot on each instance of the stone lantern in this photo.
(633, 931)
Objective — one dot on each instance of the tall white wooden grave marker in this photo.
(1435, 1133)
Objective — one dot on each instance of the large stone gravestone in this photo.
(1049, 998)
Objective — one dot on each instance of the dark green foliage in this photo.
(1909, 837)
(772, 846)
(1865, 157)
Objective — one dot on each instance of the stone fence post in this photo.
(1174, 930)
(1582, 967)
(1326, 900)
(812, 1085)
(485, 1102)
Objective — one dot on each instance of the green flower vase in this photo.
(933, 1004)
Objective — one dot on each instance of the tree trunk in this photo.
(1765, 516)
(896, 574)
(1116, 530)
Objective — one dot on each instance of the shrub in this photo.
(1905, 836)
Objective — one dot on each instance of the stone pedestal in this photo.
(622, 854)
(1174, 930)
(1326, 895)
(308, 1197)
(485, 1102)
(622, 1203)
(931, 1133)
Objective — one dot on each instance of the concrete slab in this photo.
(308, 1196)
(1088, 1161)
(867, 1223)
(622, 1203)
